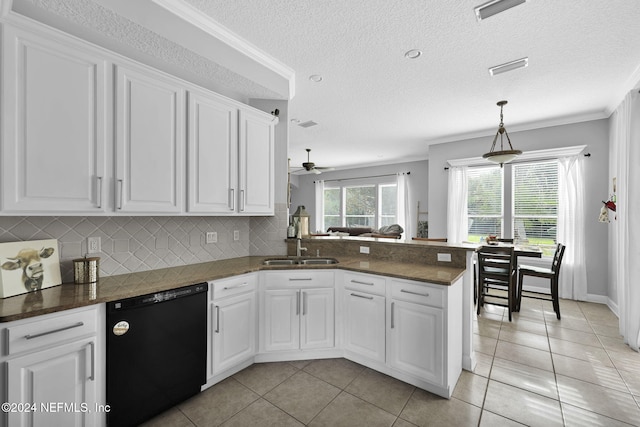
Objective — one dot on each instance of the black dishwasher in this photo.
(156, 352)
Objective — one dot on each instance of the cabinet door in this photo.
(317, 319)
(365, 325)
(234, 331)
(64, 374)
(256, 163)
(54, 124)
(213, 154)
(416, 340)
(149, 142)
(281, 317)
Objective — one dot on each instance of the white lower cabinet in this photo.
(232, 323)
(415, 340)
(55, 370)
(364, 317)
(299, 314)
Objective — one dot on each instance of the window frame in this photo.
(343, 184)
(508, 216)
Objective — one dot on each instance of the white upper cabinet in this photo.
(88, 132)
(257, 149)
(54, 123)
(213, 154)
(150, 142)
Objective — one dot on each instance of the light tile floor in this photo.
(535, 370)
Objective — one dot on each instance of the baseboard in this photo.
(600, 299)
(613, 306)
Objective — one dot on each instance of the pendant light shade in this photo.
(502, 156)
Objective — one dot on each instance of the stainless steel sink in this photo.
(300, 261)
(279, 262)
(318, 261)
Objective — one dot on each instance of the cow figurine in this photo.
(29, 260)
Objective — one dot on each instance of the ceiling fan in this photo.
(310, 167)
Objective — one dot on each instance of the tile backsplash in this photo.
(132, 244)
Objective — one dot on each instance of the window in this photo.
(360, 204)
(535, 203)
(530, 190)
(484, 202)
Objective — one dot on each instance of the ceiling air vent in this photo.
(509, 66)
(494, 7)
(307, 124)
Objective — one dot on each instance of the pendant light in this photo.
(502, 156)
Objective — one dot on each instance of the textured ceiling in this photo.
(376, 106)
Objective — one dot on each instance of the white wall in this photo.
(303, 192)
(594, 134)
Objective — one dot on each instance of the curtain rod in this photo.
(524, 161)
(365, 177)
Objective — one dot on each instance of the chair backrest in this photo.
(430, 239)
(557, 259)
(496, 257)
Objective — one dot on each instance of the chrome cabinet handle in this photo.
(362, 283)
(361, 296)
(242, 201)
(120, 187)
(241, 285)
(53, 331)
(298, 279)
(297, 303)
(217, 319)
(232, 199)
(392, 312)
(414, 293)
(92, 377)
(99, 183)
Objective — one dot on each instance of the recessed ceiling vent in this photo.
(494, 7)
(307, 124)
(509, 66)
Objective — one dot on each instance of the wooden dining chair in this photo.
(430, 239)
(546, 273)
(496, 277)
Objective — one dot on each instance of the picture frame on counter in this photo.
(29, 266)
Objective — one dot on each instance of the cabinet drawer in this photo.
(50, 329)
(418, 293)
(365, 283)
(233, 286)
(299, 279)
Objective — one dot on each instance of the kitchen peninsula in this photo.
(370, 308)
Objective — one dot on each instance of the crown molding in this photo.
(213, 28)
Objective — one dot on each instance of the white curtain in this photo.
(457, 221)
(624, 149)
(571, 227)
(404, 211)
(319, 213)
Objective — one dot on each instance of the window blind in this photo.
(535, 201)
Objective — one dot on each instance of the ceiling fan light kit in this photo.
(502, 156)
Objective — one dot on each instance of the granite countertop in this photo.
(70, 295)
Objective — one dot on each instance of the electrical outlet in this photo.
(93, 245)
(211, 237)
(236, 234)
(364, 249)
(444, 257)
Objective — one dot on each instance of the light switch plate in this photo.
(236, 234)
